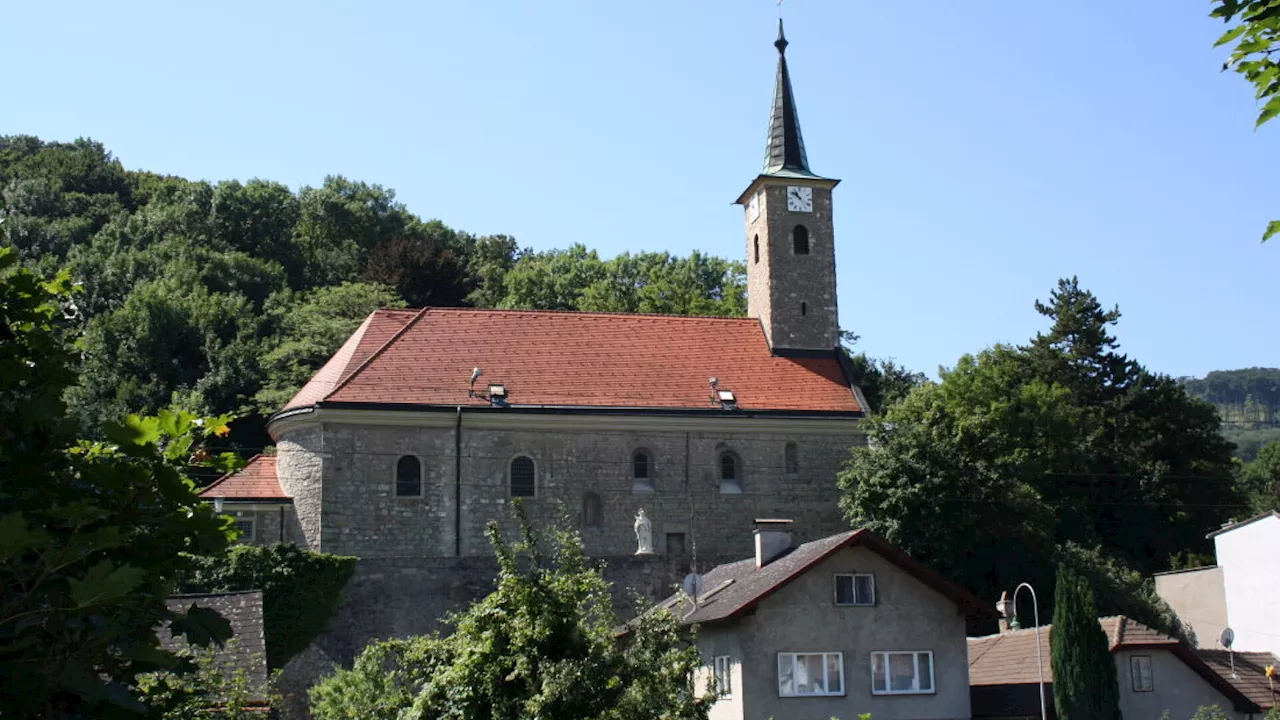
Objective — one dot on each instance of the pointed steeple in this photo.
(785, 149)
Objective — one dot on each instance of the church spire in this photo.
(785, 150)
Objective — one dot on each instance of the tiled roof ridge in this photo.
(366, 362)
(582, 313)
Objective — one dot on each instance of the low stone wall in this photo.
(398, 597)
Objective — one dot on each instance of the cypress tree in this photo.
(1084, 673)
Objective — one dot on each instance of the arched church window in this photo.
(800, 240)
(730, 474)
(408, 477)
(804, 309)
(641, 471)
(756, 241)
(592, 510)
(523, 477)
(791, 458)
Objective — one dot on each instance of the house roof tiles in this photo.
(736, 587)
(255, 481)
(574, 360)
(248, 652)
(1248, 674)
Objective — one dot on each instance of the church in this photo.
(426, 424)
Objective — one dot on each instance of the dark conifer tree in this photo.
(1084, 673)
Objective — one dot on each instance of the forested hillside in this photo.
(1248, 401)
(224, 297)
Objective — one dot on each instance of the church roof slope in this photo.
(548, 359)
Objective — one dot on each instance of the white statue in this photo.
(644, 534)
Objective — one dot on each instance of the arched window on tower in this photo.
(804, 309)
(592, 510)
(756, 242)
(408, 477)
(730, 474)
(791, 458)
(800, 240)
(641, 471)
(524, 477)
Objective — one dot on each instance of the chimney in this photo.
(773, 538)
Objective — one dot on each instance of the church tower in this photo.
(791, 257)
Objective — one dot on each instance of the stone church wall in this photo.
(359, 514)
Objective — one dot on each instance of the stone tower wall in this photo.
(781, 280)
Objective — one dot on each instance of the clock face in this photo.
(753, 208)
(800, 199)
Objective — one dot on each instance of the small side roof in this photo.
(1237, 525)
(1249, 677)
(737, 587)
(249, 651)
(255, 482)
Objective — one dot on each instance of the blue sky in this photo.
(987, 148)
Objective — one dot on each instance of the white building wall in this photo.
(1249, 556)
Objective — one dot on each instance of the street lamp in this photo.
(1009, 609)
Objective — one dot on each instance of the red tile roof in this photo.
(568, 359)
(1250, 676)
(1009, 658)
(255, 481)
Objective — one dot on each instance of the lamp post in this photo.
(1009, 609)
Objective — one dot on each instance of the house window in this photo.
(756, 241)
(730, 474)
(523, 477)
(641, 472)
(1140, 671)
(592, 510)
(408, 477)
(855, 589)
(810, 674)
(724, 676)
(245, 526)
(800, 240)
(901, 673)
(675, 543)
(791, 458)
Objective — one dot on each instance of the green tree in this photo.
(1255, 31)
(1084, 673)
(544, 644)
(213, 691)
(312, 327)
(1260, 479)
(1021, 453)
(91, 534)
(384, 680)
(552, 280)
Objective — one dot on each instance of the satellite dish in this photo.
(1227, 637)
(692, 585)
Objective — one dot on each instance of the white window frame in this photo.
(915, 659)
(1135, 676)
(722, 671)
(853, 578)
(791, 657)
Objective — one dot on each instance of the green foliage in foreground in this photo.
(91, 533)
(1084, 673)
(301, 590)
(544, 644)
(1255, 31)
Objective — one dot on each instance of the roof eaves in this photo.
(1242, 523)
(1200, 667)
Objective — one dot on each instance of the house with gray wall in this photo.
(835, 627)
